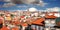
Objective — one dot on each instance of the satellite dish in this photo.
(32, 9)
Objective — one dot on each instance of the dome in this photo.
(32, 9)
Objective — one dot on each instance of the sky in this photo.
(43, 5)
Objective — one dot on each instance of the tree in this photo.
(58, 21)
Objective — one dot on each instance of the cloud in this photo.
(22, 6)
(20, 1)
(7, 0)
(53, 9)
(34, 2)
(41, 3)
(1, 0)
(0, 6)
(28, 1)
(8, 4)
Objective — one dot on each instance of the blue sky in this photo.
(50, 4)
